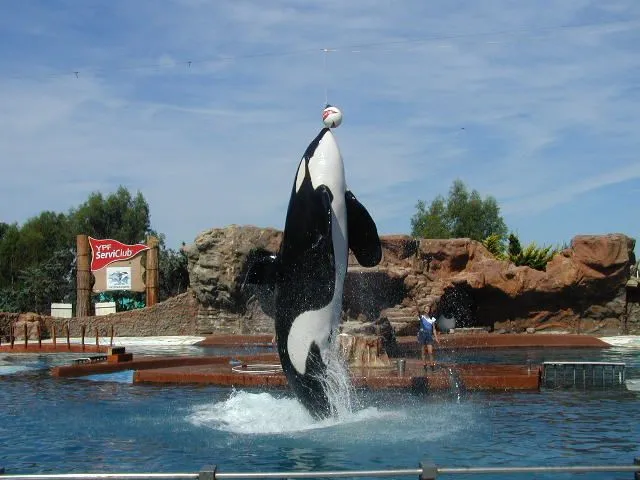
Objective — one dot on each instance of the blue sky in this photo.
(207, 106)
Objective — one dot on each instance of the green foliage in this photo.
(514, 249)
(37, 259)
(3, 229)
(462, 214)
(125, 301)
(534, 256)
(531, 256)
(495, 244)
(431, 222)
(172, 270)
(119, 216)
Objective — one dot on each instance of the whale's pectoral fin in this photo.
(364, 241)
(262, 268)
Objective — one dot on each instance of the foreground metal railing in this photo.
(426, 471)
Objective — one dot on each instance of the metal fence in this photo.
(583, 374)
(426, 471)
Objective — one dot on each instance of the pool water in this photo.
(104, 423)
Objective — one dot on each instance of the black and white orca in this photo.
(324, 220)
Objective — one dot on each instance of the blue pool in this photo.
(105, 424)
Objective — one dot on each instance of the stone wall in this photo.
(176, 316)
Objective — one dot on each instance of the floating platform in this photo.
(412, 376)
(148, 363)
(263, 370)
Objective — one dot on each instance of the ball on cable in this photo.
(331, 117)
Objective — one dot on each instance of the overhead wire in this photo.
(351, 48)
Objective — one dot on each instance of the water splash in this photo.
(337, 384)
(263, 413)
(456, 386)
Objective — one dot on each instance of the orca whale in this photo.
(324, 220)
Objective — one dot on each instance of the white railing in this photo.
(426, 471)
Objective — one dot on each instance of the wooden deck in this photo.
(471, 376)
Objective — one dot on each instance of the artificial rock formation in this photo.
(217, 264)
(582, 289)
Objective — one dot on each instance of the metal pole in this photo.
(104, 476)
(427, 471)
(429, 468)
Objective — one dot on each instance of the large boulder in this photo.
(218, 261)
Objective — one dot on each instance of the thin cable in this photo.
(325, 74)
(354, 48)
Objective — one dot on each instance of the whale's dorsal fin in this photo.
(364, 241)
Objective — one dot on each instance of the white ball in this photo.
(331, 117)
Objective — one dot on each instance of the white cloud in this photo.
(538, 117)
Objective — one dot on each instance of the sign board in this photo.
(118, 278)
(117, 266)
(106, 252)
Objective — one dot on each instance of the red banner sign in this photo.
(105, 252)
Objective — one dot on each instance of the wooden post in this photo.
(13, 335)
(68, 337)
(152, 273)
(83, 276)
(97, 337)
(39, 336)
(26, 336)
(111, 338)
(53, 334)
(83, 330)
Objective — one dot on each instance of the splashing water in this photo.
(457, 388)
(262, 413)
(337, 384)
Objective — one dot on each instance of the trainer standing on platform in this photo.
(427, 335)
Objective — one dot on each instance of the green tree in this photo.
(10, 258)
(431, 222)
(462, 214)
(46, 282)
(514, 249)
(119, 216)
(3, 229)
(172, 269)
(37, 259)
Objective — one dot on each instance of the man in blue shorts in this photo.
(427, 335)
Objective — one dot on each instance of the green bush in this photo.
(495, 244)
(531, 256)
